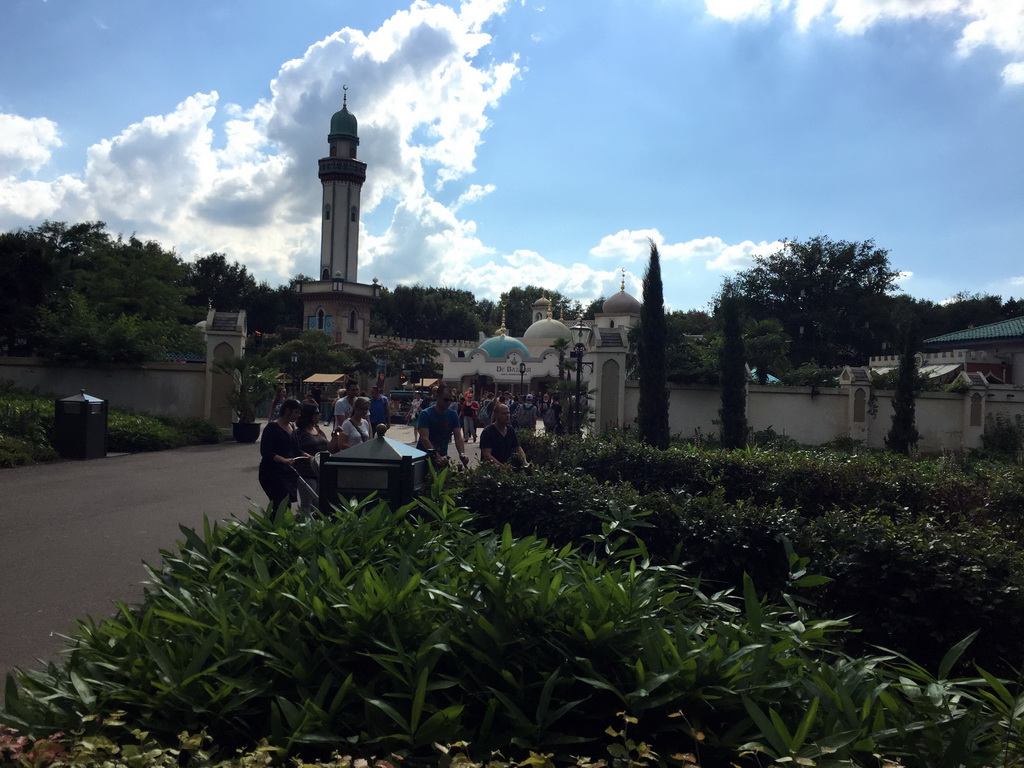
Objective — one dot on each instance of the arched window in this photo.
(320, 319)
(352, 318)
(611, 323)
(353, 214)
(860, 399)
(327, 213)
(326, 274)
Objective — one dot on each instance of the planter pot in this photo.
(245, 431)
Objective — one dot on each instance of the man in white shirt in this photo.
(343, 408)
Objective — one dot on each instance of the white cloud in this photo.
(1013, 74)
(732, 258)
(634, 245)
(421, 97)
(474, 193)
(580, 281)
(995, 23)
(25, 143)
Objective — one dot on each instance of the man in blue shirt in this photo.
(380, 410)
(437, 425)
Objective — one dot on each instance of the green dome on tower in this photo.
(344, 123)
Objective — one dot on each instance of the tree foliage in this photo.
(217, 284)
(830, 296)
(420, 312)
(652, 410)
(766, 345)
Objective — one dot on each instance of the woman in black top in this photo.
(279, 451)
(312, 440)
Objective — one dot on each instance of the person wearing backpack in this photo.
(526, 415)
(548, 414)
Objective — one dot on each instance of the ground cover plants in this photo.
(380, 630)
(26, 429)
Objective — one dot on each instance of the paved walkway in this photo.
(74, 534)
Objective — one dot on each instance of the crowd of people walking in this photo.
(441, 416)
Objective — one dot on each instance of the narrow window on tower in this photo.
(352, 321)
(353, 215)
(327, 212)
(320, 319)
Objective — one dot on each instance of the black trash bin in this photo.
(80, 427)
(395, 471)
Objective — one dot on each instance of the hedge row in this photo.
(909, 583)
(812, 482)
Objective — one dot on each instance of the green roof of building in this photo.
(1005, 329)
(499, 346)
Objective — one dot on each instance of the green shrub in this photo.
(378, 630)
(908, 583)
(15, 451)
(193, 431)
(812, 482)
(130, 432)
(26, 428)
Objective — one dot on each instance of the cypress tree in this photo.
(733, 372)
(652, 410)
(903, 434)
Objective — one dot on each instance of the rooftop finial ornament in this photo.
(622, 286)
(344, 98)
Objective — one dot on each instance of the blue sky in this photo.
(515, 142)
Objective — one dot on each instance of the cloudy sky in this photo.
(512, 141)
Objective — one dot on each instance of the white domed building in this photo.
(506, 363)
(530, 363)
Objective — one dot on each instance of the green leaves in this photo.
(383, 629)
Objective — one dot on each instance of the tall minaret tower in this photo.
(342, 177)
(335, 302)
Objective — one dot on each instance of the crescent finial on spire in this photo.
(622, 286)
(344, 98)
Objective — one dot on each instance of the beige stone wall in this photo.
(159, 388)
(945, 420)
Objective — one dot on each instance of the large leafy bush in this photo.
(933, 554)
(382, 629)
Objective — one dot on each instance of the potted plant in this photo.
(252, 385)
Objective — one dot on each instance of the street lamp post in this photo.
(295, 383)
(581, 333)
(522, 374)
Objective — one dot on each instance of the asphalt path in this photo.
(74, 535)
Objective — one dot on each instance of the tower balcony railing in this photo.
(338, 285)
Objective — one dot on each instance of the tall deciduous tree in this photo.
(216, 283)
(733, 413)
(832, 297)
(652, 411)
